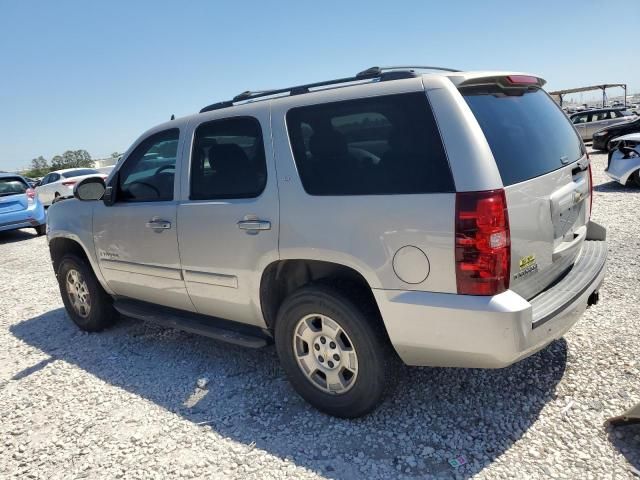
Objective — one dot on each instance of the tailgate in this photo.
(545, 173)
(13, 196)
(548, 218)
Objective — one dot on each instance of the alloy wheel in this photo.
(325, 354)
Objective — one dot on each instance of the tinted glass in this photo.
(228, 160)
(79, 173)
(12, 186)
(373, 146)
(147, 175)
(528, 134)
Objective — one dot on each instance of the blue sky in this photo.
(95, 75)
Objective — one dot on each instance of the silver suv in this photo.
(439, 217)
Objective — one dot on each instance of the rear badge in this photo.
(527, 265)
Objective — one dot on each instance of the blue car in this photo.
(19, 205)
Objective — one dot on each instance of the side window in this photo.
(45, 180)
(148, 174)
(373, 146)
(580, 119)
(54, 177)
(228, 160)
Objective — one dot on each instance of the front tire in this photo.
(335, 357)
(87, 304)
(41, 229)
(634, 179)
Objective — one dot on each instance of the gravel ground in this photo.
(125, 403)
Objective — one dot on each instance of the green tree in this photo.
(83, 159)
(57, 163)
(39, 167)
(72, 159)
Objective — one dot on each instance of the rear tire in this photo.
(87, 304)
(634, 179)
(41, 229)
(320, 322)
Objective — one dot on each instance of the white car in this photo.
(61, 182)
(624, 159)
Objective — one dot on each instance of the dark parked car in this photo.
(602, 137)
(590, 121)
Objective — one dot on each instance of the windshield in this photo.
(528, 134)
(12, 186)
(79, 173)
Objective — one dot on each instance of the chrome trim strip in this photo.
(151, 270)
(218, 279)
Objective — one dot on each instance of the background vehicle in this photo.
(624, 159)
(33, 182)
(61, 182)
(602, 137)
(587, 123)
(362, 226)
(19, 205)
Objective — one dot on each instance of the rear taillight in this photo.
(31, 195)
(69, 183)
(590, 190)
(483, 243)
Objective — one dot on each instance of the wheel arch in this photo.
(283, 277)
(60, 245)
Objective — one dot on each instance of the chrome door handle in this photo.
(254, 225)
(159, 224)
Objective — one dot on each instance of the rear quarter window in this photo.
(372, 146)
(528, 134)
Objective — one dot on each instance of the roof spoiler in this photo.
(507, 82)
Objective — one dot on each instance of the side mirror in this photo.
(91, 188)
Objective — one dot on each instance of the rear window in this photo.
(79, 173)
(528, 134)
(373, 146)
(12, 186)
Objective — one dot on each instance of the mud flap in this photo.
(596, 232)
(627, 418)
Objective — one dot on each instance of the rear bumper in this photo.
(29, 218)
(447, 330)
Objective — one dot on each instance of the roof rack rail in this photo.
(374, 73)
(379, 70)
